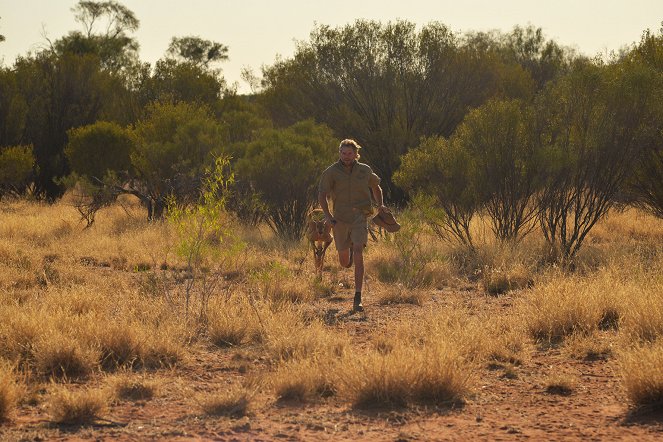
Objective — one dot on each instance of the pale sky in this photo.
(256, 31)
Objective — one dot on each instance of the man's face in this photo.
(347, 155)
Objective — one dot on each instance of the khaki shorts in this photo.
(346, 234)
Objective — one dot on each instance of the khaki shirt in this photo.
(350, 192)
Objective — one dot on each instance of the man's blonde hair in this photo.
(348, 142)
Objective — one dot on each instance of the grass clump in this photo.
(127, 386)
(570, 304)
(560, 384)
(62, 356)
(500, 280)
(400, 295)
(234, 402)
(640, 369)
(590, 347)
(438, 375)
(289, 337)
(231, 322)
(10, 392)
(81, 407)
(305, 380)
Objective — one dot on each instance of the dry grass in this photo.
(75, 302)
(500, 280)
(436, 375)
(129, 386)
(560, 384)
(641, 374)
(79, 407)
(400, 295)
(432, 360)
(62, 356)
(591, 347)
(10, 392)
(232, 322)
(289, 337)
(419, 271)
(568, 304)
(306, 380)
(234, 402)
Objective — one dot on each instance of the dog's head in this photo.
(317, 229)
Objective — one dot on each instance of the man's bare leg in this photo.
(359, 267)
(344, 258)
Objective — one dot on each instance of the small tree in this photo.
(498, 137)
(283, 166)
(97, 153)
(442, 171)
(646, 185)
(175, 144)
(198, 51)
(593, 127)
(200, 228)
(112, 44)
(16, 169)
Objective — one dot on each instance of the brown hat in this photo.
(386, 220)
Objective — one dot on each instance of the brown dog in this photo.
(318, 233)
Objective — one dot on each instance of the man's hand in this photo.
(383, 208)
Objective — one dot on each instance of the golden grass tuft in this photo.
(400, 295)
(80, 407)
(640, 369)
(416, 272)
(560, 384)
(427, 360)
(128, 386)
(570, 304)
(10, 392)
(63, 356)
(235, 402)
(289, 337)
(500, 280)
(121, 345)
(436, 375)
(232, 322)
(275, 282)
(592, 347)
(305, 380)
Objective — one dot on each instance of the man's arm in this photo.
(324, 205)
(377, 194)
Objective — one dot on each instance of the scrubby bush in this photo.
(16, 168)
(283, 167)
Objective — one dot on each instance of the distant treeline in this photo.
(512, 125)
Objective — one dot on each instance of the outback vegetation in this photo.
(154, 282)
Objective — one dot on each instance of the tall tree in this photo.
(498, 136)
(61, 92)
(384, 85)
(442, 172)
(594, 125)
(175, 143)
(13, 109)
(175, 82)
(106, 28)
(646, 185)
(16, 169)
(283, 167)
(197, 51)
